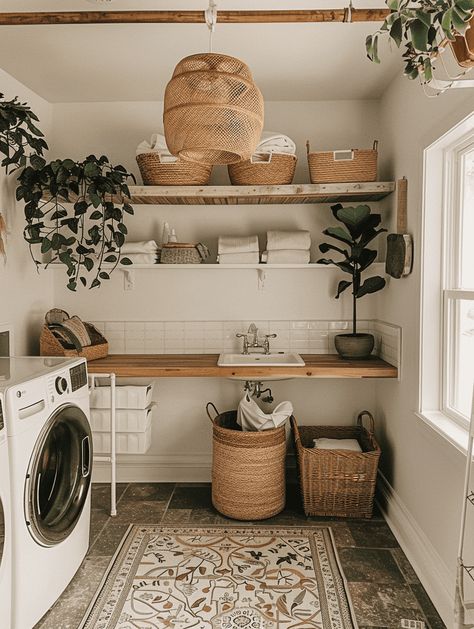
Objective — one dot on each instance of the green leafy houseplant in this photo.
(359, 228)
(422, 27)
(75, 210)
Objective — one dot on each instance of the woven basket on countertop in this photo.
(182, 253)
(180, 173)
(351, 166)
(213, 111)
(248, 469)
(51, 346)
(277, 170)
(337, 482)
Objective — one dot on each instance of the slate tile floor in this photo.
(383, 586)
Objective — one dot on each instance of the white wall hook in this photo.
(128, 279)
(262, 276)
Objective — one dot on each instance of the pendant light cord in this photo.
(210, 15)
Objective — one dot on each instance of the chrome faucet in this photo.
(254, 342)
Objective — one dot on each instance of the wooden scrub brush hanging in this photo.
(213, 111)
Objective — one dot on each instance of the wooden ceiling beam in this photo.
(188, 17)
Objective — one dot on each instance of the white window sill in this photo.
(455, 434)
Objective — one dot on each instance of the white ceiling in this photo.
(133, 62)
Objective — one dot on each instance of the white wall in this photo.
(425, 471)
(26, 296)
(181, 444)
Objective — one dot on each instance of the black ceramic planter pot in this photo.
(354, 346)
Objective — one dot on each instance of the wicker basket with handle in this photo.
(351, 166)
(337, 482)
(154, 172)
(248, 468)
(51, 346)
(277, 169)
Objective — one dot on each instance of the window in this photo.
(447, 288)
(458, 291)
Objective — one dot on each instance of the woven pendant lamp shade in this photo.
(213, 111)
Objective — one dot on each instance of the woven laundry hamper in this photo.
(337, 482)
(213, 111)
(248, 469)
(154, 172)
(351, 166)
(277, 170)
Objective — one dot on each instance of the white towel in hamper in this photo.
(250, 257)
(325, 443)
(286, 256)
(143, 246)
(237, 244)
(271, 142)
(157, 144)
(297, 239)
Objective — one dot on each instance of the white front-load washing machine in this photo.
(50, 461)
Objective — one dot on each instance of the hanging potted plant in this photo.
(75, 210)
(424, 27)
(359, 228)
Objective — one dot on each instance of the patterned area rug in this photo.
(223, 578)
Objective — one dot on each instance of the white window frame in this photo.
(437, 288)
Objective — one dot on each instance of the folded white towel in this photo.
(337, 444)
(286, 256)
(143, 246)
(141, 258)
(271, 142)
(157, 145)
(297, 239)
(237, 244)
(249, 257)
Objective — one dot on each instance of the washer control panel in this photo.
(78, 375)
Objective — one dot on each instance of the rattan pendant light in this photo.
(213, 111)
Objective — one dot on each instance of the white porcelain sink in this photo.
(276, 359)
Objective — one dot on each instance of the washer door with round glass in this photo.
(59, 476)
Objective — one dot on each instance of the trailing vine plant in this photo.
(75, 210)
(422, 27)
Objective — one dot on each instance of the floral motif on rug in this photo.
(223, 578)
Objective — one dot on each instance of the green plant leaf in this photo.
(353, 215)
(341, 287)
(45, 245)
(419, 35)
(338, 233)
(396, 32)
(125, 261)
(371, 285)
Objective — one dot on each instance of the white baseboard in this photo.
(423, 556)
(156, 469)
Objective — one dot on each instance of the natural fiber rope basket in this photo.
(337, 482)
(352, 166)
(181, 173)
(50, 345)
(277, 170)
(248, 469)
(213, 111)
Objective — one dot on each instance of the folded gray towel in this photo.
(297, 239)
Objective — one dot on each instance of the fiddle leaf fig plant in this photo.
(75, 210)
(422, 27)
(19, 136)
(75, 213)
(359, 228)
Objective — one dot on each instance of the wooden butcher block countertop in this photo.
(205, 366)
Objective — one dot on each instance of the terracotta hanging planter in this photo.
(463, 47)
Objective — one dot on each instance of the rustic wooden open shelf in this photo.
(205, 366)
(261, 195)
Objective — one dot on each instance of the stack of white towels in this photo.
(271, 142)
(157, 144)
(287, 247)
(238, 250)
(142, 252)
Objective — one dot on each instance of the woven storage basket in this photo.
(50, 345)
(248, 469)
(349, 166)
(180, 253)
(180, 173)
(337, 482)
(277, 170)
(213, 111)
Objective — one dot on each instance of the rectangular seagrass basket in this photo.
(51, 346)
(351, 166)
(337, 482)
